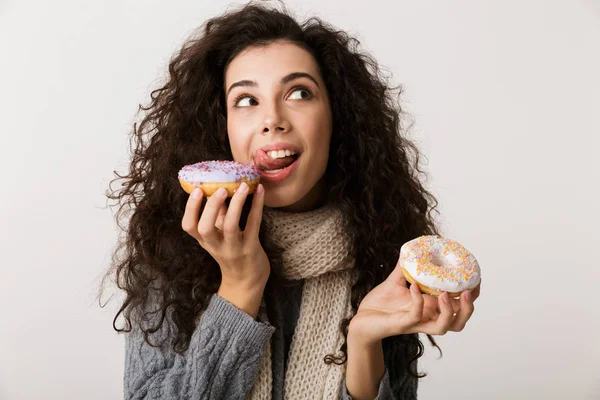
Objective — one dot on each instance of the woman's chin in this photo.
(292, 198)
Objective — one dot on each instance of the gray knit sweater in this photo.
(223, 359)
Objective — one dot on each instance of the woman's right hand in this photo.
(240, 255)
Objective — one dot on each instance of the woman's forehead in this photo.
(270, 63)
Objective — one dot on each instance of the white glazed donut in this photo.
(439, 265)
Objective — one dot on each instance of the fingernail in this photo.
(260, 189)
(243, 188)
(221, 191)
(196, 193)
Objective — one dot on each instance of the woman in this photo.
(316, 246)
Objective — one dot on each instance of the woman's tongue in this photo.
(265, 163)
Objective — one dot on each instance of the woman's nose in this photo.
(274, 121)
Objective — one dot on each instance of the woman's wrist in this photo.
(365, 366)
(247, 296)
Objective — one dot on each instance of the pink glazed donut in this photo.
(212, 175)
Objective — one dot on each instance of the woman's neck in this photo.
(314, 199)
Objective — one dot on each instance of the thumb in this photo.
(396, 277)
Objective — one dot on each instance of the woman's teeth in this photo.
(280, 153)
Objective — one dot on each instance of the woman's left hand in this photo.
(393, 309)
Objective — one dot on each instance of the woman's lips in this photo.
(280, 175)
(265, 163)
(266, 166)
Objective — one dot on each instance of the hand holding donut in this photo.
(240, 255)
(392, 309)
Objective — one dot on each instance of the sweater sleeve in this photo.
(384, 393)
(222, 360)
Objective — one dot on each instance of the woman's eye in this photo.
(300, 90)
(240, 102)
(245, 100)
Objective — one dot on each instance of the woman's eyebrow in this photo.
(284, 80)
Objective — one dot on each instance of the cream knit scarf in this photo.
(315, 248)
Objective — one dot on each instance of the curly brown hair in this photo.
(373, 172)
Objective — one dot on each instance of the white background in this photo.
(506, 103)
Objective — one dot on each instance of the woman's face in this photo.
(277, 101)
